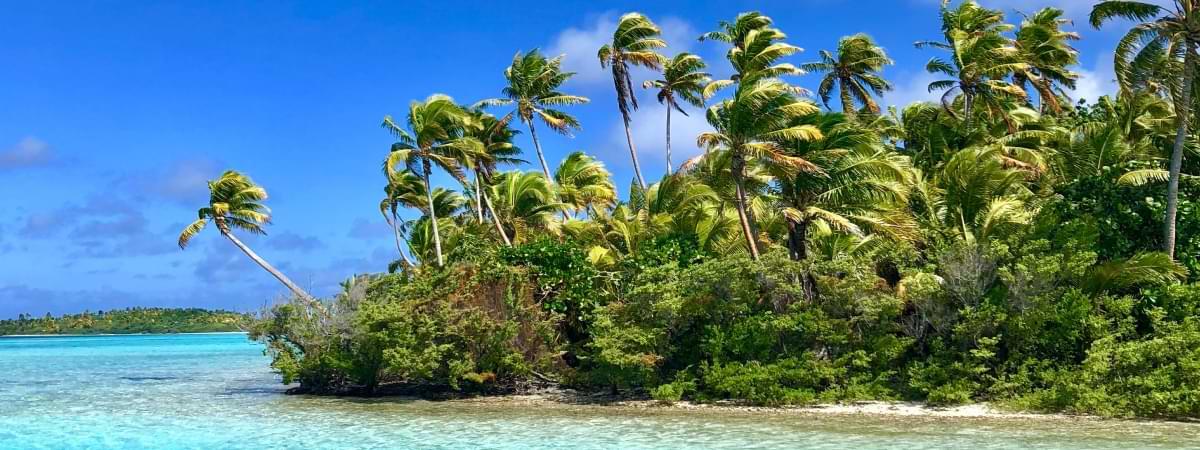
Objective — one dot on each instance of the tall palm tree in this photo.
(1175, 33)
(434, 137)
(533, 86)
(585, 184)
(854, 71)
(753, 127)
(1047, 51)
(981, 57)
(235, 202)
(633, 43)
(683, 79)
(404, 189)
(495, 146)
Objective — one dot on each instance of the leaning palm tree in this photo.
(404, 189)
(854, 71)
(235, 202)
(1047, 51)
(1175, 33)
(435, 137)
(533, 86)
(495, 146)
(584, 184)
(752, 127)
(633, 43)
(683, 79)
(981, 57)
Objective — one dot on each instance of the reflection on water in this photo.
(216, 391)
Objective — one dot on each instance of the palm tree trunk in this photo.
(437, 237)
(265, 265)
(1183, 113)
(743, 217)
(637, 168)
(669, 166)
(969, 105)
(478, 200)
(496, 220)
(396, 233)
(542, 158)
(847, 100)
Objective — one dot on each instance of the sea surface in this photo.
(216, 391)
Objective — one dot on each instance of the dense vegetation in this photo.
(1006, 243)
(125, 321)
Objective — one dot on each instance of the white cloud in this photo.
(29, 152)
(649, 125)
(910, 87)
(579, 46)
(1095, 82)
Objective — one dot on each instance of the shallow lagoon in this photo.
(216, 391)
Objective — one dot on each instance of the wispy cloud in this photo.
(28, 152)
(289, 241)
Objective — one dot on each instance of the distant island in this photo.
(127, 321)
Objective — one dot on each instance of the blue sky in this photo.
(113, 114)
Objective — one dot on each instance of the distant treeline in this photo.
(132, 320)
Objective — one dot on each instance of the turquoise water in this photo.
(215, 391)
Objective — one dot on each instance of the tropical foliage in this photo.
(1002, 243)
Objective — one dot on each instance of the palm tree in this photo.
(735, 32)
(1174, 32)
(435, 137)
(854, 70)
(753, 127)
(1047, 51)
(524, 201)
(495, 146)
(755, 53)
(405, 189)
(860, 188)
(235, 202)
(584, 184)
(683, 79)
(533, 86)
(981, 57)
(633, 43)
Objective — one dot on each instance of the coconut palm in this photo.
(526, 201)
(860, 189)
(1047, 51)
(404, 189)
(633, 44)
(491, 140)
(584, 184)
(1173, 32)
(854, 71)
(981, 58)
(683, 79)
(735, 32)
(974, 194)
(755, 53)
(533, 86)
(435, 137)
(235, 203)
(753, 127)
